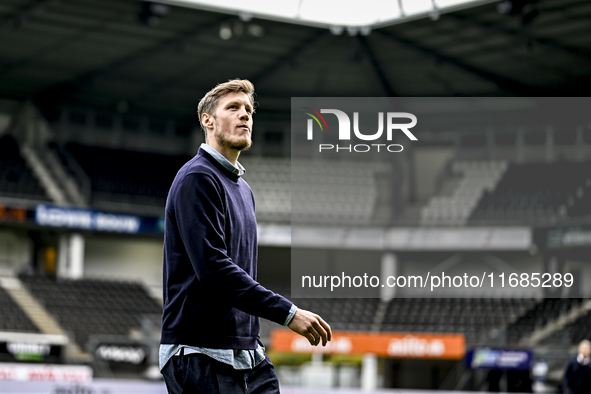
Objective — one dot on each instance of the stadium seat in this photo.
(12, 317)
(93, 307)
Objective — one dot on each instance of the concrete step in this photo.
(44, 175)
(32, 308)
(39, 315)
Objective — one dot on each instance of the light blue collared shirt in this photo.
(237, 358)
(239, 170)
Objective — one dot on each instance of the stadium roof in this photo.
(140, 57)
(331, 13)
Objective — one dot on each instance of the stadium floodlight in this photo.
(330, 13)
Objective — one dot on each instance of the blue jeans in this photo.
(200, 374)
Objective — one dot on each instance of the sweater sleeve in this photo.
(200, 216)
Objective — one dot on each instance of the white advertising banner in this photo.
(403, 239)
(470, 238)
(44, 372)
(96, 386)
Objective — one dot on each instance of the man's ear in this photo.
(207, 120)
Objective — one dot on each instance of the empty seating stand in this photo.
(475, 178)
(473, 317)
(128, 177)
(12, 317)
(16, 178)
(88, 307)
(536, 317)
(572, 333)
(538, 193)
(336, 192)
(270, 180)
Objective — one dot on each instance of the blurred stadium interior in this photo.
(97, 113)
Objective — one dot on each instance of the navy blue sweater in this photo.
(577, 377)
(211, 297)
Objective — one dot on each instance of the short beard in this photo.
(240, 145)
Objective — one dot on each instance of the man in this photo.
(577, 376)
(210, 328)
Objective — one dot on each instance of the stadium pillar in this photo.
(549, 144)
(369, 372)
(389, 268)
(520, 146)
(71, 256)
(579, 144)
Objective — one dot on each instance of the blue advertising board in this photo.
(508, 359)
(91, 220)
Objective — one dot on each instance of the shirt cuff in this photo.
(292, 312)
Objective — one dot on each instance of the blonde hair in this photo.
(209, 102)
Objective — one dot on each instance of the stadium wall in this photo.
(15, 252)
(124, 258)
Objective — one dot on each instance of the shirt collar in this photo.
(238, 170)
(582, 360)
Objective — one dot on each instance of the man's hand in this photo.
(311, 326)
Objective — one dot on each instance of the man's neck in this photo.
(230, 154)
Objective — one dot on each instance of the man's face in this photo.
(232, 122)
(584, 349)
